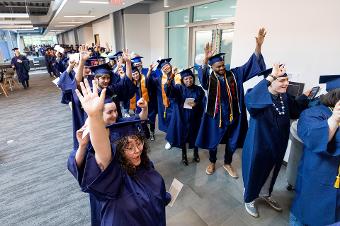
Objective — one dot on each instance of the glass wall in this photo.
(188, 29)
(215, 10)
(178, 47)
(8, 40)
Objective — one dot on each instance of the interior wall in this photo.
(137, 35)
(305, 39)
(104, 27)
(157, 36)
(85, 34)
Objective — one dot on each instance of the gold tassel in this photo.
(231, 118)
(337, 181)
(164, 115)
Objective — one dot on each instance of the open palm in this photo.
(91, 102)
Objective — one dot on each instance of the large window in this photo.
(215, 10)
(178, 47)
(188, 30)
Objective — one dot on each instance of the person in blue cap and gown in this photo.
(120, 91)
(152, 91)
(164, 104)
(76, 160)
(317, 196)
(118, 171)
(21, 65)
(271, 110)
(225, 119)
(187, 113)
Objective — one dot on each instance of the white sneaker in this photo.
(167, 146)
(251, 209)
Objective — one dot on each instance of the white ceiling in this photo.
(73, 7)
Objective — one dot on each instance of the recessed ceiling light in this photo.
(80, 16)
(14, 15)
(66, 25)
(16, 26)
(15, 22)
(94, 2)
(71, 22)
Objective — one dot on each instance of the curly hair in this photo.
(125, 163)
(331, 98)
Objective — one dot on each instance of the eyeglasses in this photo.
(131, 147)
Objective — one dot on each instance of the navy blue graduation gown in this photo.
(137, 200)
(317, 202)
(210, 134)
(21, 68)
(152, 91)
(185, 123)
(164, 114)
(66, 84)
(267, 137)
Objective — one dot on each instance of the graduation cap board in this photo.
(137, 59)
(216, 58)
(331, 81)
(163, 62)
(102, 69)
(125, 128)
(187, 72)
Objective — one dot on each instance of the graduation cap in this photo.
(187, 72)
(134, 68)
(137, 59)
(94, 61)
(163, 62)
(112, 57)
(118, 54)
(122, 129)
(332, 81)
(15, 48)
(102, 69)
(216, 58)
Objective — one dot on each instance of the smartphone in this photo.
(314, 92)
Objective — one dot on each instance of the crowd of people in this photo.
(115, 101)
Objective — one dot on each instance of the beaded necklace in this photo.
(280, 109)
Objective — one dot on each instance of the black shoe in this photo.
(152, 136)
(185, 160)
(197, 158)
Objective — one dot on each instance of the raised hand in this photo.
(208, 50)
(84, 53)
(91, 102)
(126, 56)
(278, 70)
(142, 103)
(82, 141)
(260, 36)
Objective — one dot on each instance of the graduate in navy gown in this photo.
(118, 171)
(270, 109)
(121, 91)
(21, 65)
(185, 120)
(164, 104)
(225, 119)
(152, 92)
(317, 200)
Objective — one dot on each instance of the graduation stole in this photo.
(143, 92)
(165, 99)
(214, 95)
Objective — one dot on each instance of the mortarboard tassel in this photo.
(337, 181)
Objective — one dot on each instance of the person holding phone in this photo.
(317, 200)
